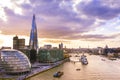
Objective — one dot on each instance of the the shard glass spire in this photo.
(33, 44)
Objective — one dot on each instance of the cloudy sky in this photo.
(76, 23)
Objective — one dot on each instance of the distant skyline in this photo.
(75, 23)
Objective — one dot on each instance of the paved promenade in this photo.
(36, 69)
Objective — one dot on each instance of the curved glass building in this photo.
(14, 61)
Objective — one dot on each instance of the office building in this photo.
(52, 55)
(33, 43)
(61, 46)
(18, 43)
(48, 46)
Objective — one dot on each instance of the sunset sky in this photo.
(75, 23)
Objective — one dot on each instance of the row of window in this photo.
(14, 61)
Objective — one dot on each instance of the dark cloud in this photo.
(63, 32)
(96, 9)
(63, 18)
(53, 32)
(27, 9)
(46, 7)
(57, 20)
(55, 8)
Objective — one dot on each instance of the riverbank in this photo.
(45, 68)
(36, 69)
(97, 69)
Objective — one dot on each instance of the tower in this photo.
(33, 43)
(61, 46)
(18, 43)
(15, 42)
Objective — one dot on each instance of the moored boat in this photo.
(103, 59)
(78, 69)
(83, 60)
(112, 58)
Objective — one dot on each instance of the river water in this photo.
(98, 68)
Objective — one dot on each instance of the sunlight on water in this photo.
(97, 69)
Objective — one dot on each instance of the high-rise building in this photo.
(33, 43)
(61, 46)
(18, 43)
(15, 42)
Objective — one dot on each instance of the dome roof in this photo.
(14, 61)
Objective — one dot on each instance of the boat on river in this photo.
(103, 59)
(83, 59)
(58, 74)
(78, 69)
(77, 56)
(112, 58)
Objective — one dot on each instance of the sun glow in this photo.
(12, 5)
(6, 40)
(2, 14)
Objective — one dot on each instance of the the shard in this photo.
(33, 43)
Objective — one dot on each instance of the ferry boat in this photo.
(58, 74)
(83, 59)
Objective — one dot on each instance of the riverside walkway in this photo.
(36, 69)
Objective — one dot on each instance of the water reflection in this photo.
(97, 69)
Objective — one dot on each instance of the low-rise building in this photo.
(48, 46)
(52, 55)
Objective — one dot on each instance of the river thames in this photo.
(98, 68)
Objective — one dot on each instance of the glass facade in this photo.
(14, 61)
(33, 44)
(51, 55)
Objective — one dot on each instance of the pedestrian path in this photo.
(36, 69)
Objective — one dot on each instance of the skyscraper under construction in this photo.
(33, 43)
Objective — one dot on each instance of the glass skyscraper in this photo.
(33, 44)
